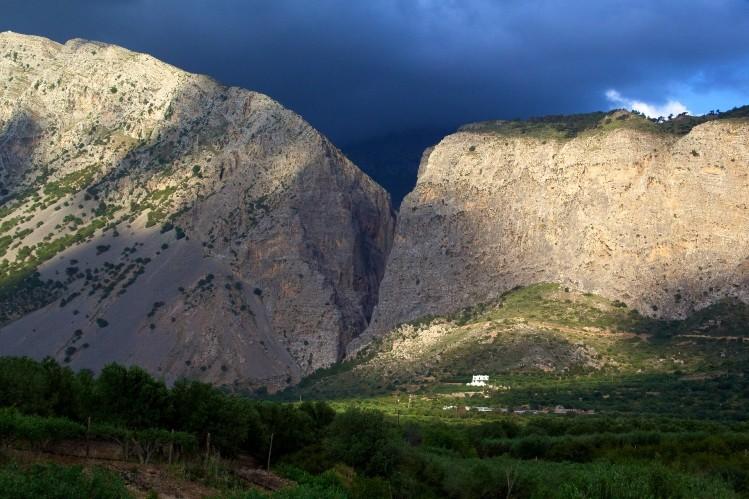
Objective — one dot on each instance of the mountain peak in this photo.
(156, 217)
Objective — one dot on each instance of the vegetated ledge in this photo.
(570, 126)
(580, 333)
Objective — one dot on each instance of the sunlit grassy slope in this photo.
(546, 345)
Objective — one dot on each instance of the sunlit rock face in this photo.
(190, 228)
(657, 221)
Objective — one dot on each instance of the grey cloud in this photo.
(359, 68)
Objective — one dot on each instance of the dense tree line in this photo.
(130, 398)
(364, 453)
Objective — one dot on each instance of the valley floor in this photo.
(585, 399)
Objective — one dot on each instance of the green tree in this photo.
(364, 440)
(131, 397)
(201, 409)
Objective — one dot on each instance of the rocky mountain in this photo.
(155, 217)
(150, 216)
(653, 215)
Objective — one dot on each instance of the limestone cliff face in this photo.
(658, 221)
(191, 228)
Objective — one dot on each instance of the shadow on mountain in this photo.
(18, 142)
(23, 289)
(358, 210)
(124, 294)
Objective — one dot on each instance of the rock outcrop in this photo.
(150, 216)
(623, 209)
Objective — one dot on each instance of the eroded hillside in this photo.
(154, 217)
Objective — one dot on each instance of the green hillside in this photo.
(544, 346)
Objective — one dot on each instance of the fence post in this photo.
(270, 449)
(208, 445)
(88, 437)
(171, 447)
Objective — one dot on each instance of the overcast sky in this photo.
(361, 68)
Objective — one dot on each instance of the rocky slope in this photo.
(606, 203)
(155, 217)
(542, 332)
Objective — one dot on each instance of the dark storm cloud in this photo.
(360, 68)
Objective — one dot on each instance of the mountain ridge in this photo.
(195, 229)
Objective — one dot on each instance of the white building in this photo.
(479, 380)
